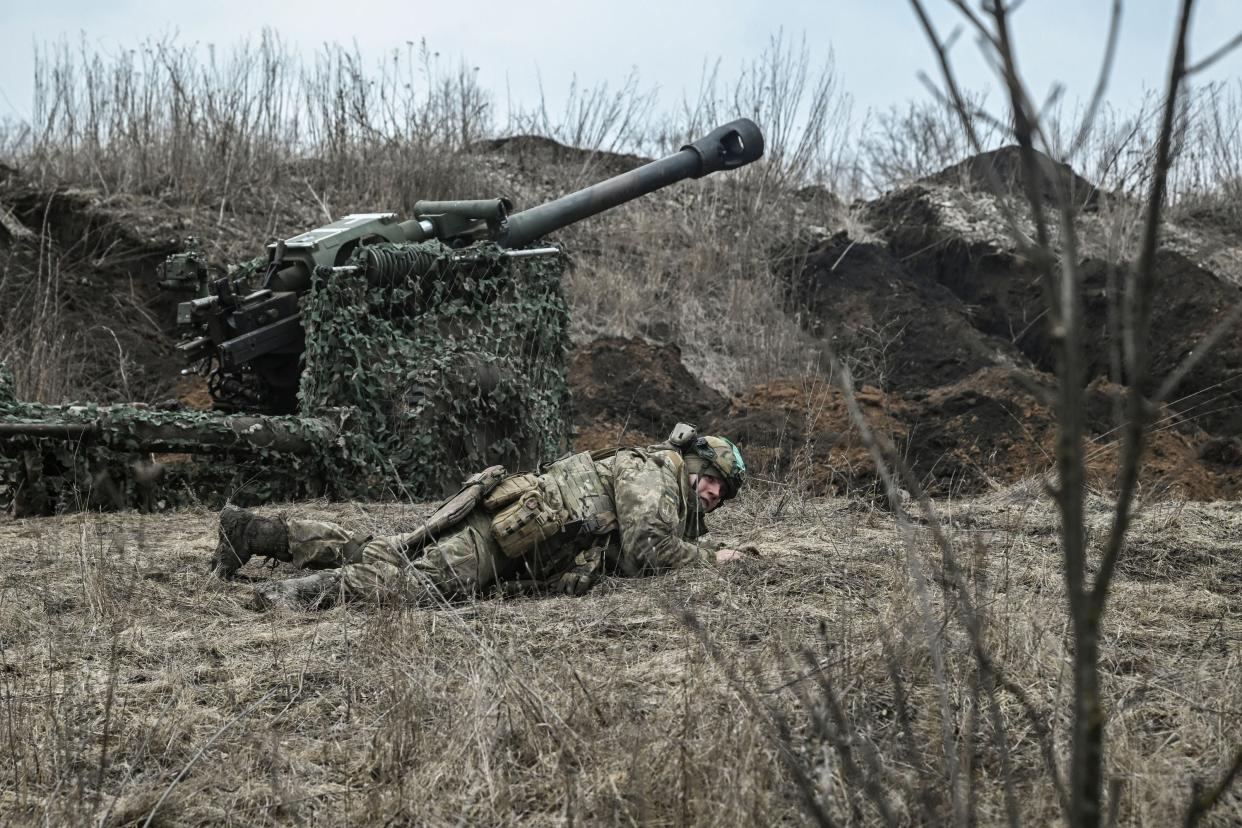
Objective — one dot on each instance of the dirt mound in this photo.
(538, 153)
(606, 434)
(989, 428)
(88, 262)
(627, 388)
(799, 431)
(1190, 302)
(1003, 168)
(895, 327)
(997, 427)
(630, 392)
(998, 292)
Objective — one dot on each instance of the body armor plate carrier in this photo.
(566, 503)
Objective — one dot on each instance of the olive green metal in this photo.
(725, 148)
(486, 209)
(292, 261)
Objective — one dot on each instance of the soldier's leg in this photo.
(242, 536)
(464, 563)
(307, 544)
(318, 544)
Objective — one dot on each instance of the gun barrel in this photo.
(733, 145)
(487, 209)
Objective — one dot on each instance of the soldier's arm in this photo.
(651, 516)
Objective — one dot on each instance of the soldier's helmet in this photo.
(717, 457)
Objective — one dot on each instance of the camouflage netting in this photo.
(8, 393)
(133, 456)
(405, 390)
(452, 371)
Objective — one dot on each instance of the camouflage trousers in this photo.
(466, 562)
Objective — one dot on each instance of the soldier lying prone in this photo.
(632, 512)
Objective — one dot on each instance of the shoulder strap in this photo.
(604, 454)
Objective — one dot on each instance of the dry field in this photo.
(811, 683)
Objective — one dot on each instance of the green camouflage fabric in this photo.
(8, 386)
(111, 465)
(404, 389)
(444, 374)
(658, 522)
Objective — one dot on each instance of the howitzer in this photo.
(248, 327)
(412, 352)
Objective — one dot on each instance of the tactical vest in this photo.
(566, 506)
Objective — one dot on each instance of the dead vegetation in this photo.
(133, 687)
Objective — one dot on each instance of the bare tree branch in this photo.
(1201, 803)
(886, 459)
(1138, 323)
(1101, 83)
(1057, 261)
(963, 112)
(1233, 43)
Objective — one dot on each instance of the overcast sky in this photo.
(878, 46)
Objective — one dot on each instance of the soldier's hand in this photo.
(725, 555)
(576, 584)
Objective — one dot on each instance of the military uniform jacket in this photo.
(657, 513)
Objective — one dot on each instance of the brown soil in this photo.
(640, 388)
(992, 428)
(192, 393)
(606, 434)
(1003, 294)
(800, 430)
(997, 427)
(906, 330)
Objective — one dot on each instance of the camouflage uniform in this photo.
(651, 517)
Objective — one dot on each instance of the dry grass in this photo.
(48, 358)
(129, 677)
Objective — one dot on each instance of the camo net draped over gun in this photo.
(405, 390)
(71, 457)
(369, 358)
(459, 368)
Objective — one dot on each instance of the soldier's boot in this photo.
(314, 591)
(243, 535)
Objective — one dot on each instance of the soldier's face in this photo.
(708, 489)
